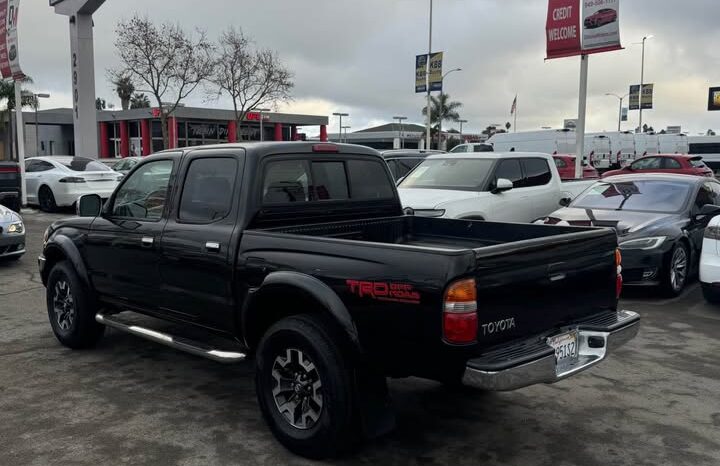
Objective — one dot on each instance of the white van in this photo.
(597, 150)
(560, 141)
(673, 144)
(647, 144)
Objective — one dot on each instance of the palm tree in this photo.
(139, 100)
(124, 88)
(442, 109)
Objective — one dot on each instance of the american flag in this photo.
(513, 109)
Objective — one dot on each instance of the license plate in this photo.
(566, 350)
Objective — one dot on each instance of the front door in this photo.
(198, 244)
(123, 244)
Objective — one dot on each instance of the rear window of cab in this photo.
(301, 180)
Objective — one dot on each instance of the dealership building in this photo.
(123, 133)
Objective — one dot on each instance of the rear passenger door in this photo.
(513, 205)
(197, 258)
(537, 185)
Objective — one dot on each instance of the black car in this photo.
(659, 220)
(401, 161)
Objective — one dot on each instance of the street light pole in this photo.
(340, 116)
(621, 107)
(427, 79)
(642, 79)
(262, 117)
(37, 98)
(462, 140)
(441, 116)
(400, 120)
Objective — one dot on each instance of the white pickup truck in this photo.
(493, 186)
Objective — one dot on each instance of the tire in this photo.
(677, 269)
(325, 425)
(711, 294)
(71, 309)
(46, 200)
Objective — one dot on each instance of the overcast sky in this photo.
(358, 56)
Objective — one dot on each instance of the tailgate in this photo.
(531, 287)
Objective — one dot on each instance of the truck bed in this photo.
(538, 276)
(444, 234)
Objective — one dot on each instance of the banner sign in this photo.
(647, 98)
(601, 26)
(9, 54)
(436, 62)
(582, 27)
(421, 73)
(714, 99)
(624, 114)
(563, 36)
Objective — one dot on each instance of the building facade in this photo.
(124, 133)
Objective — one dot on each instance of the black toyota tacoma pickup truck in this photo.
(299, 254)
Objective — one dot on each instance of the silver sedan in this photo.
(12, 234)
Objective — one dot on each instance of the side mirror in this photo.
(565, 201)
(708, 211)
(89, 205)
(502, 185)
(629, 168)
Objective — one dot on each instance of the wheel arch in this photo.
(62, 248)
(283, 294)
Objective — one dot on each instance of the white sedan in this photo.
(710, 262)
(58, 181)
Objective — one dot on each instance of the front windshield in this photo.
(466, 174)
(642, 195)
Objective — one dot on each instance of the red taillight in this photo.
(618, 271)
(9, 169)
(326, 148)
(460, 312)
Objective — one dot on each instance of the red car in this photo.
(682, 164)
(566, 167)
(601, 18)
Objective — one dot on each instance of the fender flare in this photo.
(314, 288)
(68, 249)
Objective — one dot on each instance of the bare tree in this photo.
(250, 76)
(163, 61)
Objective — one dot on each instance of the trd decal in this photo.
(383, 291)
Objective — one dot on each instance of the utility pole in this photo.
(642, 79)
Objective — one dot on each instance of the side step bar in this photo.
(182, 344)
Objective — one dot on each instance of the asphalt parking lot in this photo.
(655, 402)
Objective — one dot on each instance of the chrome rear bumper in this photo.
(543, 369)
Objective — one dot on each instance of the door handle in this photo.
(212, 246)
(147, 241)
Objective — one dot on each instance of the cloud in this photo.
(358, 56)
